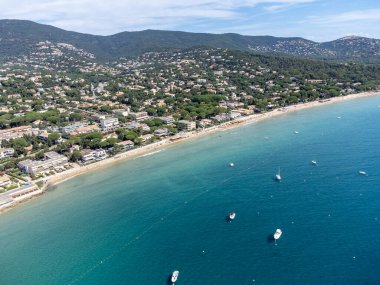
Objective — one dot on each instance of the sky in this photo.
(317, 20)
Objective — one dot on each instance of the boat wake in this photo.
(151, 153)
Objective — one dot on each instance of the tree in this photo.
(262, 104)
(109, 142)
(39, 155)
(75, 156)
(3, 123)
(73, 93)
(105, 109)
(19, 142)
(53, 138)
(10, 165)
(75, 117)
(154, 122)
(131, 135)
(161, 111)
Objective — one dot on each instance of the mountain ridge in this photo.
(18, 37)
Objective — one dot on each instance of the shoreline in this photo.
(56, 179)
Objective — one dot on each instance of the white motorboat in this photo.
(277, 234)
(232, 216)
(314, 162)
(277, 177)
(175, 276)
(363, 173)
(232, 164)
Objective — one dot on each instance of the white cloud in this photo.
(330, 27)
(111, 16)
(348, 17)
(285, 5)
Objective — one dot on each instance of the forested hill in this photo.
(18, 38)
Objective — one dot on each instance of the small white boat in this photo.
(314, 162)
(175, 276)
(363, 173)
(277, 177)
(296, 132)
(232, 216)
(277, 234)
(232, 164)
(338, 117)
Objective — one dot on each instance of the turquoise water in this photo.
(136, 222)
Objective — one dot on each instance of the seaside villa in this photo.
(52, 160)
(126, 144)
(188, 125)
(146, 138)
(89, 154)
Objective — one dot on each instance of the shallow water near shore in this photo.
(137, 221)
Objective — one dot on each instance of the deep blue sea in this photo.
(137, 221)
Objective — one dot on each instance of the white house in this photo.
(52, 160)
(161, 132)
(121, 112)
(234, 115)
(188, 125)
(167, 120)
(126, 144)
(109, 123)
(89, 154)
(139, 116)
(146, 138)
(6, 152)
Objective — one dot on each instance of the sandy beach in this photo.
(79, 170)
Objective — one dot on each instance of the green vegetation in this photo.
(40, 184)
(72, 100)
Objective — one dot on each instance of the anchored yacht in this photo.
(277, 234)
(175, 276)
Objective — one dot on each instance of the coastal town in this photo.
(61, 109)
